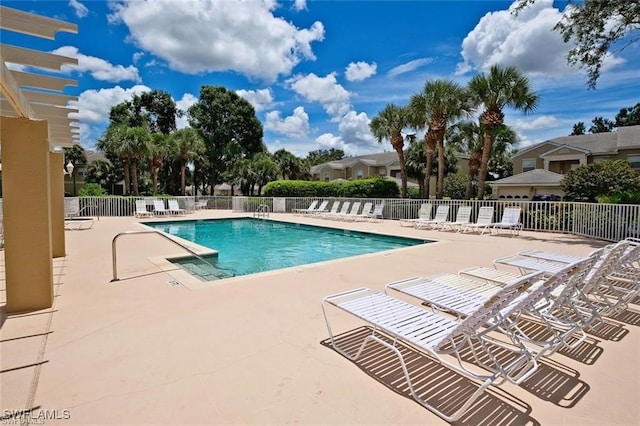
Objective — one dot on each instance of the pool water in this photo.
(247, 246)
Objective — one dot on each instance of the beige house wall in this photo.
(27, 214)
(56, 164)
(525, 191)
(530, 155)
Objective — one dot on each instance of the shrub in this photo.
(92, 190)
(361, 188)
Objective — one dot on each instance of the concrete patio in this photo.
(157, 347)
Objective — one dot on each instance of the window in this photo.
(359, 174)
(634, 160)
(327, 177)
(528, 164)
(382, 172)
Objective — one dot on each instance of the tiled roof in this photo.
(532, 177)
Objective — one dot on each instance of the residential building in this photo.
(538, 169)
(384, 164)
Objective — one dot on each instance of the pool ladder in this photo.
(261, 211)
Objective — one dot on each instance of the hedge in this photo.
(361, 188)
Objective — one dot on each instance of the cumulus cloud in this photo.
(358, 71)
(137, 56)
(98, 68)
(79, 8)
(183, 105)
(542, 122)
(354, 128)
(296, 125)
(218, 35)
(300, 5)
(525, 40)
(260, 99)
(94, 107)
(325, 90)
(409, 66)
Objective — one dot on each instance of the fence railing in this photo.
(610, 222)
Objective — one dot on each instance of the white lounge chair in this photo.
(334, 210)
(367, 208)
(442, 213)
(463, 217)
(159, 209)
(174, 208)
(376, 213)
(510, 220)
(355, 209)
(71, 207)
(485, 219)
(444, 338)
(424, 213)
(141, 209)
(462, 296)
(311, 208)
(344, 209)
(322, 208)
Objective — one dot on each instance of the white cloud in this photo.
(525, 40)
(137, 56)
(94, 107)
(296, 125)
(358, 71)
(354, 128)
(538, 123)
(183, 105)
(218, 35)
(325, 90)
(409, 66)
(329, 140)
(79, 8)
(260, 99)
(300, 5)
(98, 68)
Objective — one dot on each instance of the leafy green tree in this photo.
(105, 174)
(136, 144)
(500, 88)
(501, 160)
(265, 170)
(587, 183)
(440, 103)
(92, 190)
(629, 116)
(289, 166)
(388, 124)
(223, 118)
(161, 148)
(595, 26)
(320, 156)
(601, 125)
(78, 157)
(578, 129)
(188, 146)
(455, 186)
(415, 163)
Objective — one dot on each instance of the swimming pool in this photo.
(247, 246)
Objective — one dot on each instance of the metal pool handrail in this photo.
(114, 257)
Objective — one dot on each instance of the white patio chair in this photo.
(353, 212)
(174, 208)
(344, 209)
(510, 221)
(424, 213)
(463, 217)
(484, 220)
(141, 209)
(367, 209)
(159, 209)
(442, 337)
(442, 213)
(334, 210)
(311, 208)
(376, 213)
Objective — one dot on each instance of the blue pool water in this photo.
(247, 246)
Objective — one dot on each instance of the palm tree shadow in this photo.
(433, 382)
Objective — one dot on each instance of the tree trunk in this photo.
(134, 177)
(127, 177)
(440, 183)
(484, 163)
(429, 145)
(403, 174)
(183, 177)
(73, 176)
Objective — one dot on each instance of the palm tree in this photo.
(388, 124)
(466, 137)
(502, 87)
(77, 156)
(189, 145)
(159, 150)
(137, 146)
(112, 142)
(440, 103)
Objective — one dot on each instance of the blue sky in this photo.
(318, 71)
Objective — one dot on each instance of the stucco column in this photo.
(27, 214)
(56, 173)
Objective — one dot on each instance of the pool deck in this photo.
(156, 347)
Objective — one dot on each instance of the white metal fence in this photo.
(610, 222)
